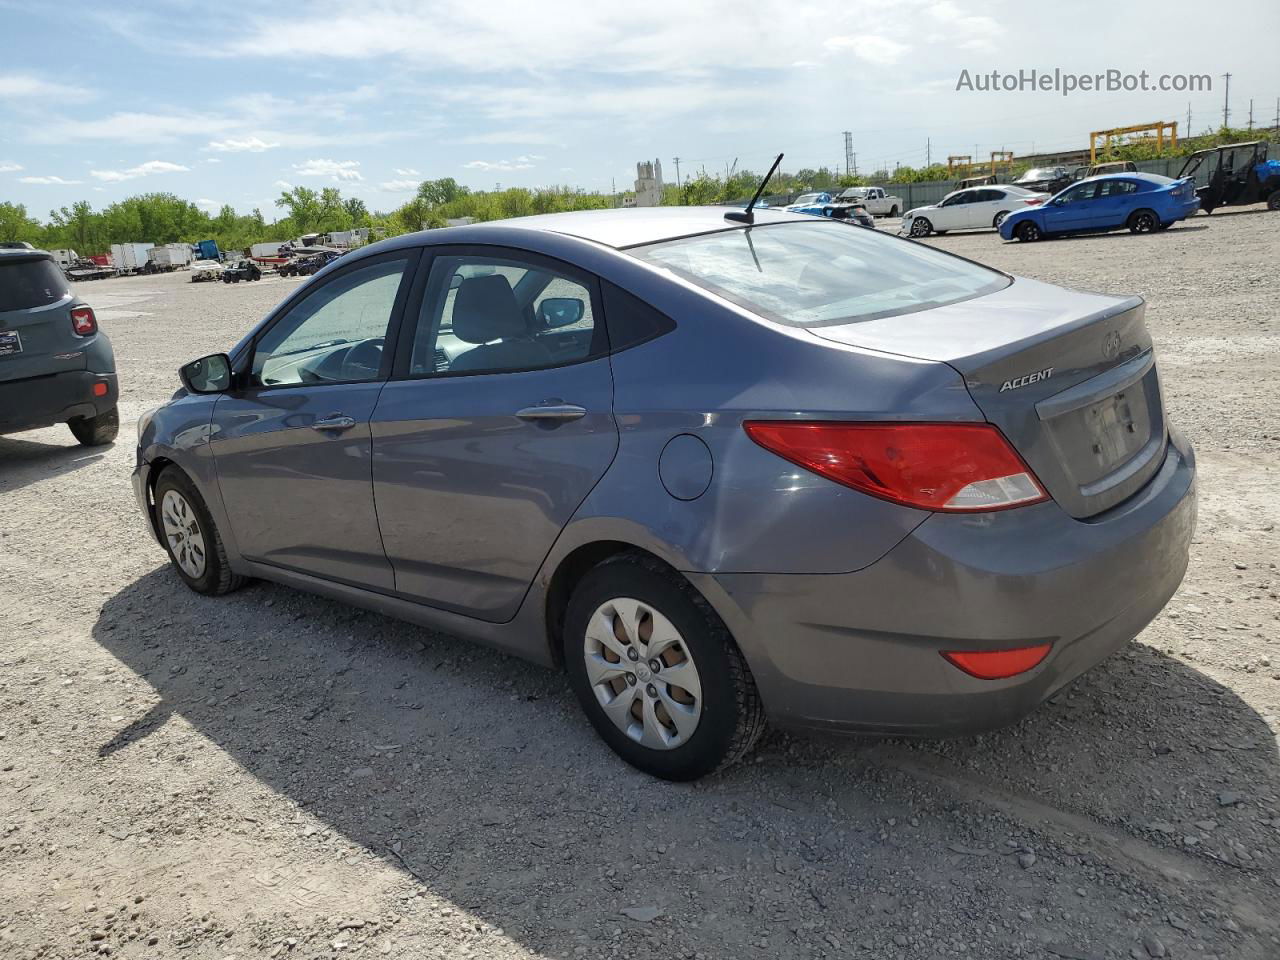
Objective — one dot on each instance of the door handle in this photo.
(335, 421)
(555, 412)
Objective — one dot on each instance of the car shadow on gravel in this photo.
(30, 461)
(476, 774)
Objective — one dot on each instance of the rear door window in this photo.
(31, 283)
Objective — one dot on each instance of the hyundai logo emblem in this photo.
(1111, 346)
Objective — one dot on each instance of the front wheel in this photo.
(657, 672)
(96, 431)
(1143, 221)
(1028, 232)
(921, 227)
(1273, 201)
(192, 541)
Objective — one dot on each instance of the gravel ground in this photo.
(272, 774)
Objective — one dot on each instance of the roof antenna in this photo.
(746, 216)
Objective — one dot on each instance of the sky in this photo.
(234, 104)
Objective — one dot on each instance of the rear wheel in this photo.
(1028, 232)
(893, 211)
(96, 431)
(1273, 201)
(657, 672)
(192, 541)
(921, 227)
(1143, 221)
(999, 219)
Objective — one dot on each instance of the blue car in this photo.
(822, 205)
(1143, 202)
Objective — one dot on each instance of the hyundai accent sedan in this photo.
(719, 472)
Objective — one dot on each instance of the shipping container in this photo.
(130, 257)
(171, 256)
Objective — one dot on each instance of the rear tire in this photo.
(96, 431)
(999, 219)
(192, 541)
(893, 211)
(1143, 221)
(699, 711)
(1273, 201)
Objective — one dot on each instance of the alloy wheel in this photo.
(1144, 223)
(642, 673)
(183, 534)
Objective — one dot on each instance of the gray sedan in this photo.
(718, 472)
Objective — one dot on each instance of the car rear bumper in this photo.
(56, 398)
(861, 651)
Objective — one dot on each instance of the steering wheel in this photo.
(363, 361)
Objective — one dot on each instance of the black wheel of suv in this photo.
(96, 431)
(1028, 232)
(921, 227)
(657, 672)
(192, 541)
(1143, 221)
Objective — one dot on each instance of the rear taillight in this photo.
(951, 467)
(83, 322)
(1033, 201)
(997, 664)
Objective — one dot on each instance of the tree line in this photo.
(166, 218)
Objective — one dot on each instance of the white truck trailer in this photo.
(130, 257)
(171, 256)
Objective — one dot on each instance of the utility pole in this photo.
(855, 156)
(928, 152)
(848, 151)
(1226, 100)
(1188, 134)
(678, 181)
(1251, 113)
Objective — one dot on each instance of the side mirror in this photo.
(211, 374)
(560, 311)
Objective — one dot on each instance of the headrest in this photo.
(485, 309)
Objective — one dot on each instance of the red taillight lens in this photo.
(1033, 201)
(998, 664)
(83, 321)
(953, 467)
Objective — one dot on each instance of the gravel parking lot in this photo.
(270, 774)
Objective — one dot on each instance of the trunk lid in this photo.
(1069, 377)
(36, 335)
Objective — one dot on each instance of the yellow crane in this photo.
(1159, 128)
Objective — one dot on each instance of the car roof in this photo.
(19, 253)
(1129, 175)
(615, 227)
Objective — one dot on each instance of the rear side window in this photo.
(822, 273)
(31, 283)
(630, 320)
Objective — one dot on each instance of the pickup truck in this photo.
(875, 199)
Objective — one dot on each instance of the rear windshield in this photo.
(822, 273)
(30, 283)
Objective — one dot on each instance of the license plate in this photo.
(10, 342)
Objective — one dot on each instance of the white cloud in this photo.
(530, 137)
(869, 47)
(523, 162)
(407, 172)
(18, 86)
(242, 145)
(141, 170)
(212, 160)
(10, 167)
(283, 184)
(336, 170)
(399, 186)
(209, 204)
(49, 180)
(967, 31)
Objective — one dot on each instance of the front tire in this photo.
(192, 541)
(1273, 201)
(96, 431)
(1028, 232)
(657, 673)
(921, 227)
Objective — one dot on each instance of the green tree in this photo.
(16, 225)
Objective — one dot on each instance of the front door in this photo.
(1071, 209)
(497, 425)
(292, 446)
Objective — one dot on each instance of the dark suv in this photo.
(56, 366)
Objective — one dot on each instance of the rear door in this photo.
(293, 447)
(498, 424)
(1115, 201)
(36, 336)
